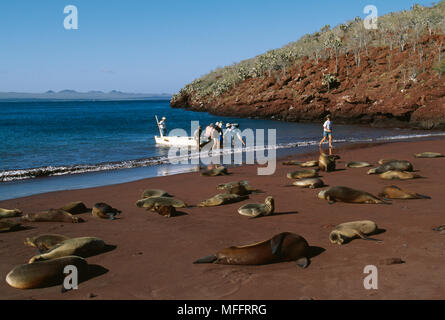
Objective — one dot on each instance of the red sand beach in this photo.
(153, 258)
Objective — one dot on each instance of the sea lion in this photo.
(428, 155)
(104, 211)
(219, 171)
(291, 163)
(357, 164)
(154, 193)
(400, 175)
(221, 199)
(348, 195)
(51, 215)
(240, 188)
(439, 228)
(8, 225)
(258, 209)
(82, 247)
(309, 164)
(399, 165)
(383, 161)
(10, 213)
(394, 192)
(44, 273)
(312, 183)
(45, 242)
(326, 162)
(303, 174)
(75, 207)
(166, 211)
(283, 247)
(150, 203)
(347, 231)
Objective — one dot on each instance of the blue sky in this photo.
(152, 46)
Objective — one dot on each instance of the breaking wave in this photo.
(22, 174)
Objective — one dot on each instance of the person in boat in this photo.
(163, 126)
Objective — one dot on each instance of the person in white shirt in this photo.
(228, 136)
(163, 126)
(327, 131)
(237, 133)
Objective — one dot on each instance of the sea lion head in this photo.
(322, 194)
(336, 237)
(371, 171)
(30, 242)
(270, 202)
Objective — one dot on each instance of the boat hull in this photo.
(175, 141)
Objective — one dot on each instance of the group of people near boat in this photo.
(215, 134)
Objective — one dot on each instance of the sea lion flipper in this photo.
(303, 262)
(276, 243)
(209, 259)
(372, 239)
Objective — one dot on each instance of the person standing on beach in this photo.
(237, 133)
(197, 136)
(227, 136)
(327, 131)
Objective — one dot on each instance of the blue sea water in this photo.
(89, 143)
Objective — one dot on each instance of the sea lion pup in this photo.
(154, 193)
(219, 171)
(8, 225)
(428, 155)
(399, 165)
(283, 247)
(104, 211)
(51, 215)
(44, 273)
(221, 199)
(82, 247)
(400, 175)
(348, 195)
(327, 162)
(312, 183)
(357, 164)
(394, 192)
(240, 188)
(309, 164)
(383, 161)
(166, 211)
(7, 213)
(258, 209)
(45, 242)
(350, 230)
(75, 207)
(151, 203)
(303, 174)
(291, 163)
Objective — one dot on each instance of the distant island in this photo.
(74, 95)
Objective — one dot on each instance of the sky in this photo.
(152, 46)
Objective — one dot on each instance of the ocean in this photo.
(59, 145)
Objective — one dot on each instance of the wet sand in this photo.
(154, 255)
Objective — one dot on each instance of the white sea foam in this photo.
(21, 174)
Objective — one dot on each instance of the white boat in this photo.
(175, 141)
(170, 141)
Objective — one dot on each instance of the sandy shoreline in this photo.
(153, 256)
